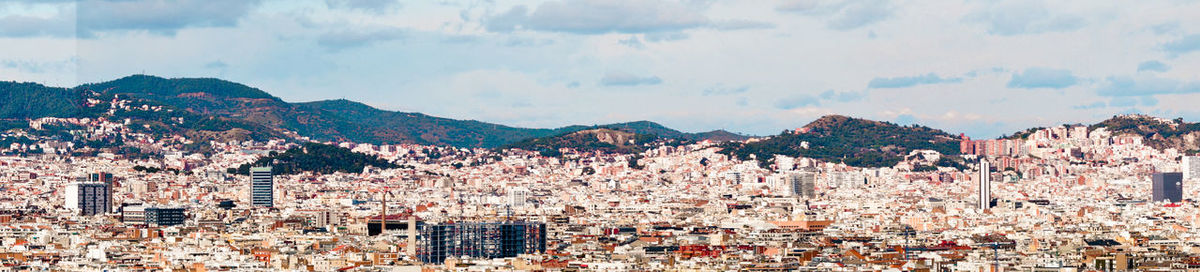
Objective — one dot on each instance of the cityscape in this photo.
(126, 158)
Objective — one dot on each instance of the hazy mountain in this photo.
(257, 114)
(604, 140)
(647, 127)
(214, 109)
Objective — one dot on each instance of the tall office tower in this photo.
(802, 184)
(107, 179)
(1167, 186)
(985, 185)
(262, 187)
(89, 198)
(1191, 168)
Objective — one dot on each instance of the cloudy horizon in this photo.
(984, 68)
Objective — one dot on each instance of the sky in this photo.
(984, 68)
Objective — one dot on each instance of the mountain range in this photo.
(255, 114)
(212, 109)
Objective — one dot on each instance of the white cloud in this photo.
(628, 79)
(159, 17)
(344, 39)
(1024, 17)
(598, 16)
(842, 14)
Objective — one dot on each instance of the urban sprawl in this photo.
(1064, 198)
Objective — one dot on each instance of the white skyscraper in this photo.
(1191, 167)
(985, 185)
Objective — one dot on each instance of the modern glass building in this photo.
(1167, 187)
(262, 187)
(436, 242)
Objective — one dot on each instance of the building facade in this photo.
(802, 184)
(1191, 168)
(133, 214)
(89, 198)
(439, 241)
(164, 216)
(1167, 187)
(262, 187)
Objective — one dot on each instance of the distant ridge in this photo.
(606, 140)
(235, 111)
(652, 128)
(205, 109)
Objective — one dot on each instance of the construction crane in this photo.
(995, 255)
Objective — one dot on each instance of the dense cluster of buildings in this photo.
(1060, 199)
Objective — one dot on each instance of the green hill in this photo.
(853, 141)
(32, 100)
(214, 109)
(375, 125)
(336, 120)
(1159, 133)
(329, 120)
